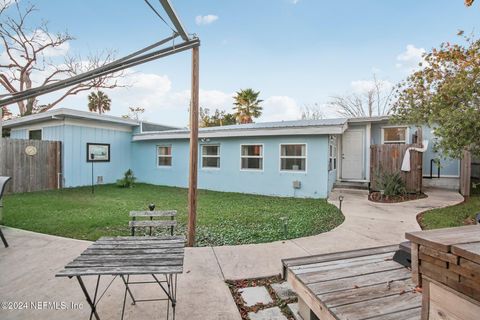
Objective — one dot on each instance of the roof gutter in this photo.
(173, 135)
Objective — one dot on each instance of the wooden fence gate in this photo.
(34, 165)
(388, 158)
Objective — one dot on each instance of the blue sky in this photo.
(295, 52)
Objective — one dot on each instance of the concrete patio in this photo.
(29, 265)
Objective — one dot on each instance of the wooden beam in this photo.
(192, 182)
(465, 173)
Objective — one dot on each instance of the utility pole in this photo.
(192, 183)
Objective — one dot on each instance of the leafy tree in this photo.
(218, 118)
(374, 101)
(445, 94)
(99, 102)
(34, 57)
(247, 105)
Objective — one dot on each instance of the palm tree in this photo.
(99, 101)
(247, 105)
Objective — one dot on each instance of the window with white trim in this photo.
(211, 156)
(394, 135)
(293, 157)
(164, 156)
(251, 157)
(332, 153)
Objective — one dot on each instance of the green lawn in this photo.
(222, 218)
(454, 216)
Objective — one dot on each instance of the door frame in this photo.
(363, 133)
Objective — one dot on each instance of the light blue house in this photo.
(303, 158)
(77, 128)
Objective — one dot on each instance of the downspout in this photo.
(367, 150)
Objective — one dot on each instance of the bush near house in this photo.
(222, 218)
(128, 179)
(391, 184)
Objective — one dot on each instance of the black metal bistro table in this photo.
(123, 257)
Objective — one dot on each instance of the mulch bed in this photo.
(236, 285)
(377, 197)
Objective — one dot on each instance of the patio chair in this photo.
(153, 220)
(3, 183)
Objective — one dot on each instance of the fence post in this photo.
(465, 173)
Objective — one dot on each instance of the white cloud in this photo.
(154, 93)
(43, 38)
(410, 58)
(204, 20)
(165, 105)
(295, 1)
(278, 108)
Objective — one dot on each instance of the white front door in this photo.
(353, 155)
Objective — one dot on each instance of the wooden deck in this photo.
(355, 285)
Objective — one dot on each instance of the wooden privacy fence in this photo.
(388, 158)
(34, 165)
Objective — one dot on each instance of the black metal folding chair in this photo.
(3, 183)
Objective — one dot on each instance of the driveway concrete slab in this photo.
(255, 260)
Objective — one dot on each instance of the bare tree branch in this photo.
(312, 112)
(30, 57)
(374, 101)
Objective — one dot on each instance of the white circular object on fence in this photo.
(31, 150)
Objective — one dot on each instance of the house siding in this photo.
(229, 177)
(19, 134)
(448, 167)
(141, 156)
(77, 171)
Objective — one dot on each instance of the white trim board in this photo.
(293, 157)
(63, 113)
(256, 157)
(407, 133)
(75, 123)
(201, 145)
(241, 133)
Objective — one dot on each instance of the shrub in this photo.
(128, 179)
(391, 184)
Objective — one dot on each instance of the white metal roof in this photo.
(62, 113)
(295, 127)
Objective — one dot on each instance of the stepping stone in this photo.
(294, 309)
(254, 295)
(284, 290)
(267, 314)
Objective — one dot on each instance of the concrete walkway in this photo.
(28, 267)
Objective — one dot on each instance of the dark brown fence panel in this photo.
(35, 172)
(466, 174)
(389, 157)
